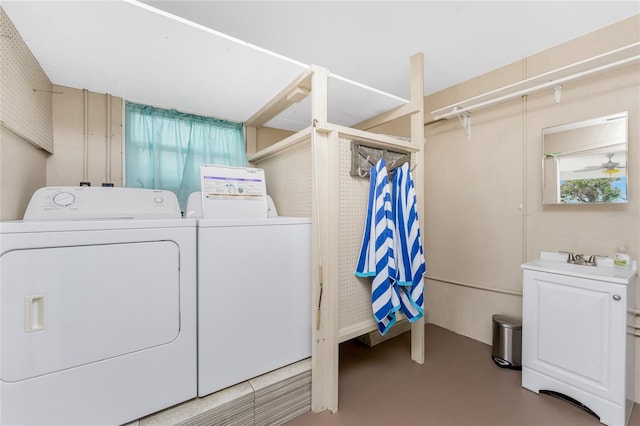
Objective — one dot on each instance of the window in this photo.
(165, 148)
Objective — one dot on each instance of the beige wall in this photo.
(66, 167)
(26, 125)
(267, 136)
(22, 171)
(474, 191)
(483, 210)
(25, 167)
(25, 89)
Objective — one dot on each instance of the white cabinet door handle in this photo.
(617, 297)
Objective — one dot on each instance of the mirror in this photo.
(585, 162)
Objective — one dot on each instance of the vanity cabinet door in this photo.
(574, 331)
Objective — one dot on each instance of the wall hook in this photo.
(557, 92)
(363, 157)
(365, 173)
(465, 119)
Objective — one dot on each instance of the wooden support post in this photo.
(325, 300)
(417, 139)
(251, 139)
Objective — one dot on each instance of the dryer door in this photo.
(65, 307)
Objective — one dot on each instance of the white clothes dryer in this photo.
(97, 307)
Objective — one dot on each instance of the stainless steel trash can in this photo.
(507, 342)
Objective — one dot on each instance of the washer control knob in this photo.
(158, 200)
(63, 199)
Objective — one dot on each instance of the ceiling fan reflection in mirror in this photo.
(610, 167)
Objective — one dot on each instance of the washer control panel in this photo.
(86, 202)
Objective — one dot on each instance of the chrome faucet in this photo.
(571, 258)
(579, 259)
(592, 259)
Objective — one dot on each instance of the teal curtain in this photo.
(165, 148)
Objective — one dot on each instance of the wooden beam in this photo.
(319, 96)
(397, 112)
(302, 136)
(294, 92)
(325, 297)
(373, 139)
(355, 330)
(417, 139)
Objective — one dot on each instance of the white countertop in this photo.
(556, 263)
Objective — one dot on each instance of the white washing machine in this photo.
(97, 307)
(254, 296)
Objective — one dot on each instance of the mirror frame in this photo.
(600, 148)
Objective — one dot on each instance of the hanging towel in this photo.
(376, 257)
(410, 261)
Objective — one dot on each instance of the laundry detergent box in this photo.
(233, 192)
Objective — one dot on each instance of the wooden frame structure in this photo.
(305, 177)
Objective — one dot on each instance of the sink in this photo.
(556, 262)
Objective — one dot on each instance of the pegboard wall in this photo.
(353, 195)
(25, 111)
(288, 176)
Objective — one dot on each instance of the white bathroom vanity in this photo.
(578, 333)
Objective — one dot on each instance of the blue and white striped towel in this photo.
(376, 257)
(411, 265)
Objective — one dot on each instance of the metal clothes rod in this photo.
(522, 87)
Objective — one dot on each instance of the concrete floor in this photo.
(459, 384)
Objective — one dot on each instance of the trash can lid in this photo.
(507, 322)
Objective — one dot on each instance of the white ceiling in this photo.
(228, 58)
